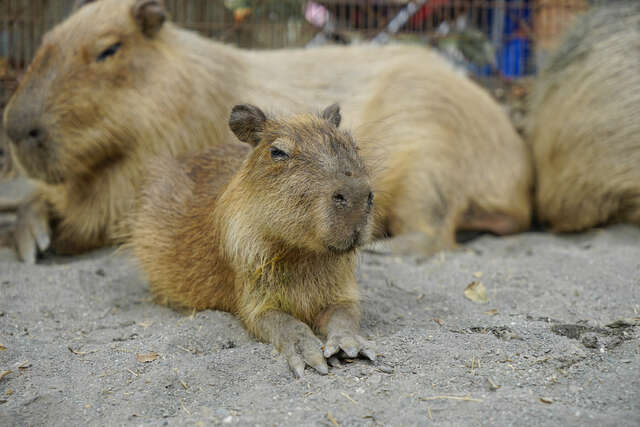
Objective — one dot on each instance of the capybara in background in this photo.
(584, 127)
(269, 235)
(115, 84)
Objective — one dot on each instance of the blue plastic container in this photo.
(512, 58)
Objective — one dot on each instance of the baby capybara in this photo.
(267, 232)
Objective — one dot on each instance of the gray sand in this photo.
(73, 327)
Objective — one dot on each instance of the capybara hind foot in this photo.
(414, 243)
(8, 205)
(294, 339)
(32, 232)
(341, 325)
(496, 223)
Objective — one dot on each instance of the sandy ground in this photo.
(539, 352)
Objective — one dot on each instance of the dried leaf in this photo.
(24, 365)
(332, 419)
(492, 312)
(4, 374)
(146, 324)
(546, 400)
(438, 321)
(476, 292)
(146, 358)
(2, 348)
(477, 274)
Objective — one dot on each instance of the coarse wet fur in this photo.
(268, 234)
(115, 84)
(584, 128)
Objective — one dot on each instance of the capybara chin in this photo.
(116, 84)
(584, 128)
(268, 234)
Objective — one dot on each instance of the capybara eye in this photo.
(111, 50)
(277, 154)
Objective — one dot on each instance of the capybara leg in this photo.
(420, 243)
(497, 223)
(418, 236)
(341, 325)
(32, 232)
(7, 205)
(631, 213)
(293, 338)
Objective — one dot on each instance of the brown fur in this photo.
(242, 232)
(448, 157)
(585, 127)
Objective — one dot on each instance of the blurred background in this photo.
(500, 43)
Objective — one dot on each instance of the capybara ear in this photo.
(149, 15)
(79, 3)
(247, 123)
(332, 114)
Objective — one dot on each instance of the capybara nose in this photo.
(340, 200)
(355, 195)
(23, 133)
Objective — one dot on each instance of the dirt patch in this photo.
(83, 343)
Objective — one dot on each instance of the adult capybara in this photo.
(269, 235)
(115, 84)
(584, 128)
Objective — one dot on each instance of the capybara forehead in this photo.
(94, 20)
(316, 138)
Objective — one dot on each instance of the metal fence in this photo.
(505, 38)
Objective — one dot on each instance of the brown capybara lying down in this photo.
(584, 128)
(115, 84)
(268, 234)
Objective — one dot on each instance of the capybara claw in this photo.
(32, 232)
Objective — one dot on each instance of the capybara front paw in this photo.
(351, 344)
(301, 347)
(32, 233)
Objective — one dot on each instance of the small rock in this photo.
(385, 368)
(221, 412)
(375, 379)
(492, 385)
(590, 341)
(228, 420)
(228, 344)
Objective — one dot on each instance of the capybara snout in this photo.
(31, 138)
(352, 204)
